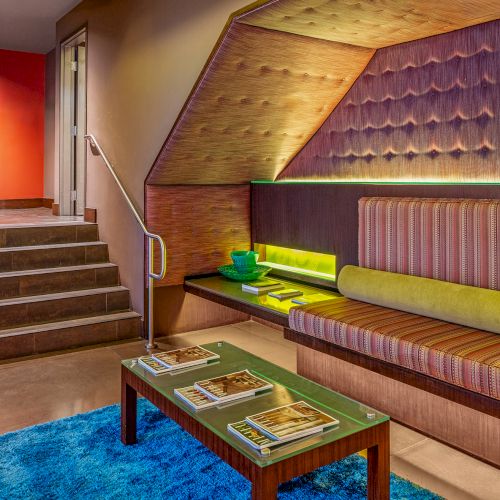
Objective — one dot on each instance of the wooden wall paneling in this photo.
(178, 312)
(425, 110)
(324, 217)
(260, 99)
(201, 225)
(374, 23)
(464, 428)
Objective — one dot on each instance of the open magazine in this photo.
(233, 386)
(281, 425)
(223, 389)
(185, 357)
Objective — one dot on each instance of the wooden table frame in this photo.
(265, 480)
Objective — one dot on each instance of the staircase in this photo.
(58, 290)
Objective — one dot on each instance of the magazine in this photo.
(150, 364)
(184, 357)
(286, 293)
(256, 438)
(232, 386)
(291, 421)
(194, 398)
(261, 287)
(312, 298)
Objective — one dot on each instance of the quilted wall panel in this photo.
(260, 99)
(425, 110)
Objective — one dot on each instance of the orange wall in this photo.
(22, 107)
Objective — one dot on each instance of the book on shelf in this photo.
(311, 298)
(195, 398)
(150, 364)
(291, 421)
(286, 293)
(233, 386)
(185, 357)
(261, 287)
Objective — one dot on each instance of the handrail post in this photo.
(151, 334)
(97, 151)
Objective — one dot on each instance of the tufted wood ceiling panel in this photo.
(259, 100)
(373, 23)
(426, 110)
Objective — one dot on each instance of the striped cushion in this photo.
(447, 239)
(457, 354)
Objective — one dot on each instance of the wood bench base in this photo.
(462, 427)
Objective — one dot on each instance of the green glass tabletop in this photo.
(288, 388)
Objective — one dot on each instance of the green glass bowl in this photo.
(232, 273)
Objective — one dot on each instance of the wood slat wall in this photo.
(201, 225)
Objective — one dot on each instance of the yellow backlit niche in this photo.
(318, 265)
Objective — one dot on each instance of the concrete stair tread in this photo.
(71, 323)
(62, 295)
(55, 245)
(50, 270)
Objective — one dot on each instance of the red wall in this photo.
(22, 108)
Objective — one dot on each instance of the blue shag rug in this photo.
(81, 457)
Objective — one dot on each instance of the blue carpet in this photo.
(81, 457)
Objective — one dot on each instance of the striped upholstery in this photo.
(456, 354)
(447, 239)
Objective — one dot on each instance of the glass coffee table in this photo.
(360, 427)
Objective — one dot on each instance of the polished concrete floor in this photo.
(34, 217)
(42, 389)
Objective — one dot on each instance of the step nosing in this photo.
(50, 225)
(50, 270)
(61, 295)
(69, 323)
(52, 246)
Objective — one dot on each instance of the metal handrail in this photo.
(98, 151)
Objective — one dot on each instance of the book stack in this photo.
(223, 389)
(177, 359)
(281, 425)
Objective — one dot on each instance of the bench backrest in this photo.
(454, 240)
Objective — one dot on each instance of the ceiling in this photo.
(371, 23)
(30, 25)
(279, 70)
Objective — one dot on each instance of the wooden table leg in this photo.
(265, 484)
(129, 414)
(379, 466)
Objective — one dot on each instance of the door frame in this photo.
(72, 128)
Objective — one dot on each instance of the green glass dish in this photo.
(232, 273)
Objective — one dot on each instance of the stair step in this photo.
(28, 235)
(50, 256)
(57, 279)
(47, 337)
(16, 312)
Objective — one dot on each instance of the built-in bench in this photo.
(406, 319)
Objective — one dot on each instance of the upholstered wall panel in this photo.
(426, 110)
(260, 99)
(374, 23)
(201, 225)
